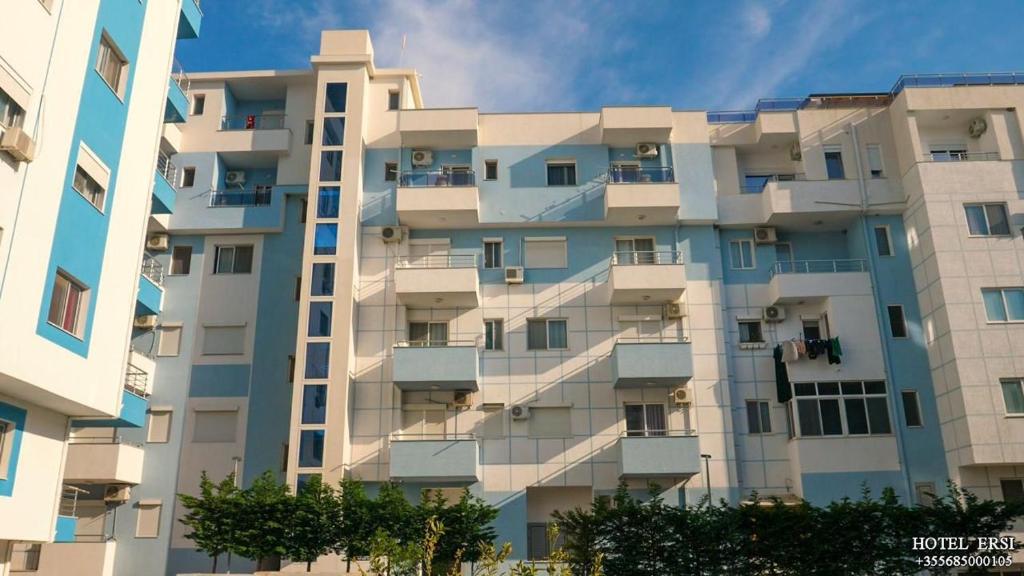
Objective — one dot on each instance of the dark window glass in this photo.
(334, 100)
(911, 408)
(1013, 490)
(878, 416)
(897, 323)
(317, 358)
(536, 335)
(325, 239)
(492, 254)
(561, 174)
(309, 132)
(328, 203)
(188, 177)
(831, 422)
(390, 171)
(330, 166)
(490, 170)
(804, 389)
(750, 332)
(320, 319)
(834, 165)
(874, 387)
(334, 132)
(314, 404)
(882, 241)
(394, 99)
(311, 448)
(323, 280)
(856, 416)
(198, 104)
(181, 260)
(810, 423)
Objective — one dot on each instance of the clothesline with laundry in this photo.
(797, 348)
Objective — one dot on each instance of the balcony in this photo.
(627, 125)
(134, 397)
(257, 195)
(149, 300)
(67, 515)
(163, 185)
(668, 455)
(646, 277)
(445, 458)
(438, 199)
(76, 558)
(176, 109)
(802, 281)
(451, 365)
(439, 128)
(261, 133)
(448, 281)
(961, 156)
(103, 461)
(647, 362)
(638, 195)
(786, 200)
(190, 20)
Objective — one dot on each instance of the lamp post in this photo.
(707, 474)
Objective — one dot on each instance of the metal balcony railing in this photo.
(439, 178)
(136, 381)
(152, 269)
(433, 343)
(644, 257)
(179, 76)
(757, 184)
(818, 266)
(258, 195)
(959, 79)
(960, 156)
(106, 440)
(165, 167)
(69, 500)
(618, 174)
(439, 261)
(653, 339)
(407, 437)
(655, 433)
(252, 122)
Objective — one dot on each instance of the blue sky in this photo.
(580, 55)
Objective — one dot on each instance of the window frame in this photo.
(840, 398)
(1003, 383)
(429, 342)
(547, 333)
(888, 241)
(394, 101)
(217, 259)
(881, 161)
(903, 321)
(497, 330)
(198, 105)
(500, 255)
(988, 224)
(753, 254)
(391, 171)
(488, 165)
(646, 431)
(186, 261)
(12, 115)
(760, 330)
(81, 308)
(94, 192)
(188, 177)
(1002, 487)
(833, 149)
(1006, 309)
(108, 48)
(565, 164)
(916, 399)
(763, 409)
(7, 431)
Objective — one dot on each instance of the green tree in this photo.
(266, 510)
(213, 517)
(315, 522)
(467, 525)
(356, 533)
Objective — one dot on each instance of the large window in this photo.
(546, 253)
(328, 203)
(320, 314)
(1013, 395)
(987, 219)
(330, 166)
(543, 334)
(741, 254)
(750, 332)
(317, 360)
(841, 408)
(562, 173)
(323, 280)
(428, 333)
(834, 163)
(759, 417)
(334, 97)
(68, 302)
(334, 131)
(112, 66)
(646, 420)
(233, 260)
(89, 188)
(311, 448)
(314, 404)
(1004, 304)
(424, 420)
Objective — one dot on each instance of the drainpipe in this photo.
(880, 317)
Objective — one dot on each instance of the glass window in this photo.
(319, 319)
(856, 416)
(1013, 395)
(317, 359)
(834, 163)
(645, 420)
(863, 408)
(882, 241)
(1013, 490)
(188, 177)
(546, 335)
(233, 260)
(561, 173)
(89, 188)
(198, 104)
(811, 329)
(330, 166)
(490, 169)
(334, 97)
(323, 279)
(759, 419)
(897, 322)
(911, 408)
(325, 239)
(394, 99)
(112, 65)
(558, 338)
(67, 300)
(987, 219)
(11, 114)
(784, 252)
(750, 332)
(875, 161)
(741, 254)
(428, 333)
(328, 202)
(390, 171)
(492, 254)
(334, 131)
(1004, 304)
(311, 448)
(494, 334)
(755, 183)
(302, 480)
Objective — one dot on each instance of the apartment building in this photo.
(85, 90)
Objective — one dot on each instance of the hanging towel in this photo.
(836, 348)
(801, 347)
(789, 353)
(834, 352)
(782, 388)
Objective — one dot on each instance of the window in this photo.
(1013, 490)
(25, 556)
(314, 404)
(494, 334)
(897, 322)
(308, 140)
(949, 153)
(492, 254)
(233, 260)
(875, 166)
(883, 244)
(428, 334)
(784, 252)
(811, 328)
(311, 448)
(334, 132)
(328, 203)
(330, 166)
(1004, 304)
(755, 183)
(841, 408)
(291, 368)
(741, 254)
(303, 208)
(562, 173)
(148, 525)
(538, 542)
(181, 260)
(394, 99)
(322, 283)
(320, 319)
(987, 219)
(298, 288)
(317, 360)
(911, 409)
(550, 422)
(188, 177)
(424, 420)
(159, 431)
(493, 425)
(390, 171)
(629, 251)
(89, 188)
(490, 169)
(544, 334)
(1013, 395)
(170, 341)
(924, 493)
(750, 332)
(834, 163)
(112, 65)
(6, 447)
(546, 253)
(11, 115)
(759, 417)
(215, 426)
(68, 300)
(223, 340)
(325, 239)
(645, 420)
(198, 104)
(334, 97)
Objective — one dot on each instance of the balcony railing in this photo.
(960, 156)
(757, 184)
(439, 261)
(641, 174)
(136, 381)
(818, 266)
(69, 501)
(960, 79)
(644, 257)
(252, 122)
(165, 167)
(657, 433)
(95, 440)
(179, 76)
(431, 178)
(653, 339)
(400, 437)
(259, 195)
(435, 343)
(152, 269)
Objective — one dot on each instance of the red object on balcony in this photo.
(250, 122)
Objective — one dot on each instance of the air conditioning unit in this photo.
(774, 313)
(681, 396)
(148, 321)
(234, 178)
(463, 399)
(158, 242)
(674, 310)
(115, 493)
(18, 144)
(514, 274)
(765, 236)
(795, 153)
(520, 412)
(422, 158)
(390, 234)
(647, 150)
(977, 127)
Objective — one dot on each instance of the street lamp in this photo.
(707, 474)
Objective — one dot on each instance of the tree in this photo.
(467, 525)
(266, 509)
(316, 523)
(355, 535)
(213, 516)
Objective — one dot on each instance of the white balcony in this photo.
(267, 134)
(800, 281)
(439, 127)
(443, 459)
(638, 196)
(628, 125)
(103, 461)
(428, 366)
(789, 202)
(669, 455)
(646, 277)
(86, 558)
(445, 281)
(437, 199)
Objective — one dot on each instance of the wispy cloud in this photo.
(295, 20)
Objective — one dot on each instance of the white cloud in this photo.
(302, 20)
(758, 20)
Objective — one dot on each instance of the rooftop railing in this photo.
(165, 167)
(442, 178)
(818, 266)
(439, 261)
(618, 174)
(258, 195)
(960, 156)
(645, 257)
(252, 122)
(152, 269)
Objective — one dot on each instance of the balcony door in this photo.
(426, 421)
(630, 251)
(627, 172)
(646, 420)
(423, 334)
(429, 253)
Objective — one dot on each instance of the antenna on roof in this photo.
(401, 53)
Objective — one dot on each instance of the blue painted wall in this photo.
(15, 415)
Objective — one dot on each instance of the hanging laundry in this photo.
(801, 347)
(782, 388)
(789, 351)
(834, 351)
